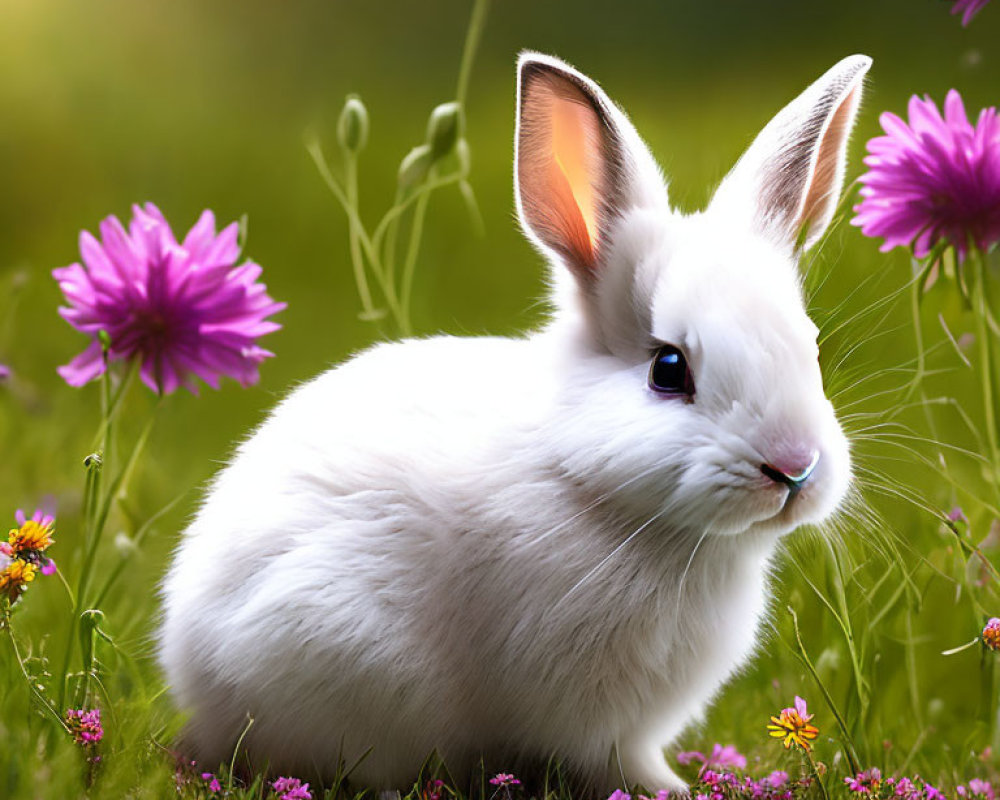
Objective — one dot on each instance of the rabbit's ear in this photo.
(789, 181)
(579, 164)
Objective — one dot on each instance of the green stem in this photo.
(473, 35)
(410, 264)
(90, 492)
(351, 190)
(919, 338)
(815, 772)
(980, 311)
(136, 543)
(32, 686)
(849, 749)
(391, 227)
(366, 244)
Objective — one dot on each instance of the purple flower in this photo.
(504, 779)
(932, 793)
(4, 372)
(934, 178)
(85, 726)
(968, 9)
(727, 756)
(905, 788)
(777, 779)
(213, 783)
(865, 782)
(291, 789)
(981, 788)
(182, 310)
(618, 794)
(687, 756)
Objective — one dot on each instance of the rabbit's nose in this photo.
(792, 473)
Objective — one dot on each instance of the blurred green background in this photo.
(198, 105)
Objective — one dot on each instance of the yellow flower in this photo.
(15, 576)
(792, 726)
(32, 535)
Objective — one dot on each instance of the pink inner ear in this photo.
(574, 137)
(559, 168)
(820, 200)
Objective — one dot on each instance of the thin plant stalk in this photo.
(980, 312)
(473, 36)
(410, 264)
(32, 685)
(351, 181)
(816, 775)
(849, 749)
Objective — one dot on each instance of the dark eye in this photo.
(669, 372)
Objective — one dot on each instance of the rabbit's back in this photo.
(314, 551)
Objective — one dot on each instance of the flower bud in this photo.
(454, 163)
(444, 128)
(352, 127)
(414, 168)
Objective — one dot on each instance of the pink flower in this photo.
(777, 779)
(504, 779)
(685, 757)
(85, 726)
(866, 782)
(932, 179)
(213, 783)
(968, 9)
(981, 788)
(181, 310)
(4, 371)
(727, 756)
(291, 789)
(618, 794)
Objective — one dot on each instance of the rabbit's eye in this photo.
(669, 373)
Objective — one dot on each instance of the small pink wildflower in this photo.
(85, 726)
(504, 779)
(433, 790)
(4, 372)
(727, 756)
(866, 782)
(932, 793)
(291, 789)
(968, 9)
(618, 794)
(685, 757)
(981, 788)
(777, 779)
(213, 782)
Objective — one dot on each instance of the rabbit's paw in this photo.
(642, 763)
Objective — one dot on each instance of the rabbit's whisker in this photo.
(609, 556)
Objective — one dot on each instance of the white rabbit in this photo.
(549, 546)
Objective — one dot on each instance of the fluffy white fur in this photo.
(514, 548)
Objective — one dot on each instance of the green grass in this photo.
(207, 105)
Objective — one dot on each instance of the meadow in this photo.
(877, 623)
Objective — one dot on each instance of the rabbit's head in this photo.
(691, 366)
